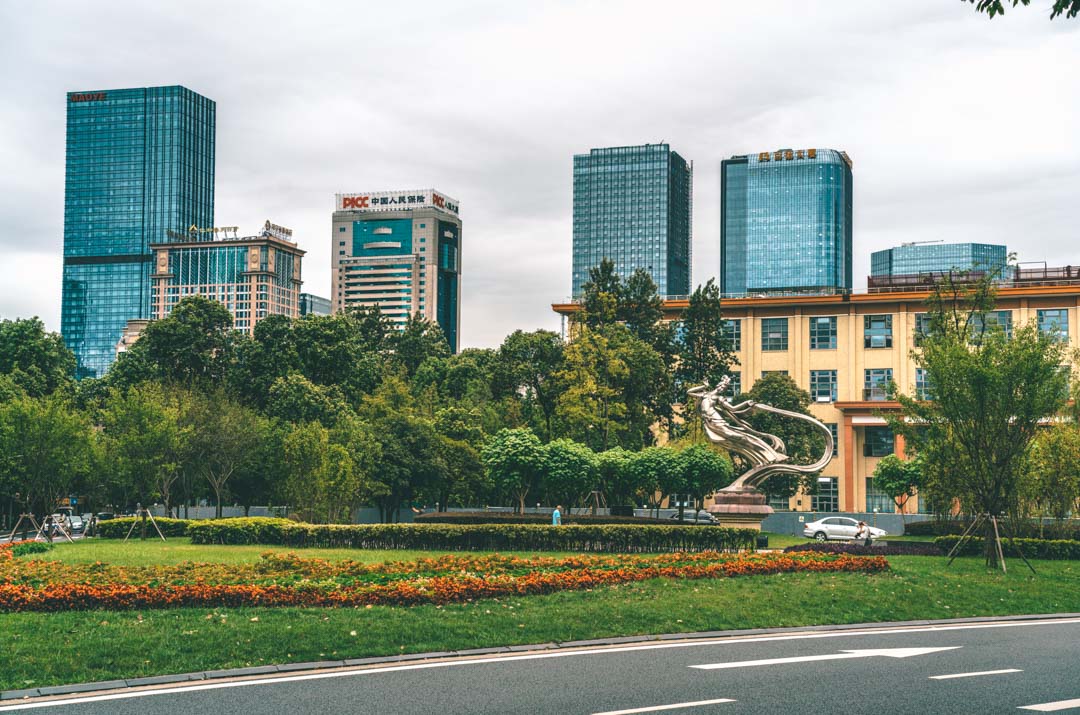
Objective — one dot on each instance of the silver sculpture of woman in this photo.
(766, 453)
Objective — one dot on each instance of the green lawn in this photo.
(87, 646)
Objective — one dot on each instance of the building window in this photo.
(923, 499)
(828, 495)
(922, 384)
(877, 500)
(779, 503)
(1055, 323)
(823, 385)
(835, 429)
(736, 383)
(731, 333)
(774, 334)
(823, 333)
(423, 225)
(994, 319)
(879, 442)
(341, 229)
(922, 327)
(876, 384)
(877, 331)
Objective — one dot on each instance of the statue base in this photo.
(740, 510)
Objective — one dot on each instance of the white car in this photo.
(838, 528)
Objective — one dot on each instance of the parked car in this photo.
(689, 517)
(838, 528)
(76, 525)
(103, 515)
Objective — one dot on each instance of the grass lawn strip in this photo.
(102, 645)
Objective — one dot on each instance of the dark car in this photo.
(105, 515)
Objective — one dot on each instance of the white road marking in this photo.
(973, 675)
(842, 655)
(675, 706)
(731, 640)
(1053, 707)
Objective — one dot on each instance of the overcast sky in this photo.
(960, 127)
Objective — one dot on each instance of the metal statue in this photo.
(765, 452)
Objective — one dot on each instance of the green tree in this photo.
(294, 398)
(657, 473)
(1052, 482)
(803, 441)
(1068, 8)
(705, 471)
(900, 479)
(38, 362)
(418, 340)
(570, 472)
(514, 459)
(192, 345)
(46, 451)
(703, 349)
(614, 389)
(615, 476)
(527, 364)
(990, 395)
(143, 444)
(225, 436)
(322, 480)
(600, 296)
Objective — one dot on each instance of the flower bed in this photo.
(885, 548)
(288, 580)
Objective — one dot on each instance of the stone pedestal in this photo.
(740, 510)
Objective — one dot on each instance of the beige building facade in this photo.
(253, 276)
(844, 350)
(399, 251)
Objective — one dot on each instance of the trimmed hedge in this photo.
(118, 528)
(501, 517)
(611, 538)
(1056, 549)
(884, 548)
(1069, 531)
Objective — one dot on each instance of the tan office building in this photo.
(844, 350)
(253, 276)
(400, 251)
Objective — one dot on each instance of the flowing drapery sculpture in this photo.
(766, 453)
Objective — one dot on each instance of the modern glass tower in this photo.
(139, 162)
(915, 258)
(633, 205)
(785, 223)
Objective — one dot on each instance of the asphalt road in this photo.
(991, 668)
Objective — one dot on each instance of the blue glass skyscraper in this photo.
(632, 205)
(915, 258)
(786, 223)
(139, 162)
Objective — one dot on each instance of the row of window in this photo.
(823, 384)
(878, 329)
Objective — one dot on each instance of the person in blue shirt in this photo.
(556, 516)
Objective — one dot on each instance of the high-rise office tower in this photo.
(633, 206)
(139, 162)
(400, 251)
(785, 223)
(933, 257)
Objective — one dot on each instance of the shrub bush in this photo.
(611, 538)
(118, 528)
(1057, 549)
(1069, 530)
(883, 548)
(30, 547)
(501, 517)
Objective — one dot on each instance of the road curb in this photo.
(8, 696)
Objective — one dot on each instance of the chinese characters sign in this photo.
(396, 201)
